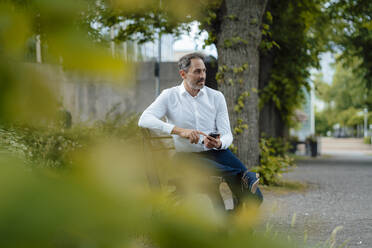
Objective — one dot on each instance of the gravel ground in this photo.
(339, 194)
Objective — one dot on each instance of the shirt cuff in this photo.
(223, 144)
(201, 140)
(167, 128)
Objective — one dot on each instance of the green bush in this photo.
(53, 146)
(49, 146)
(273, 160)
(367, 140)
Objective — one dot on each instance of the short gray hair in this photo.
(185, 61)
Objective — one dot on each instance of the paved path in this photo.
(339, 194)
(342, 146)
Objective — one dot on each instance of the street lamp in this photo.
(158, 62)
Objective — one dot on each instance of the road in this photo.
(338, 195)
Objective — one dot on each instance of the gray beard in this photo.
(195, 87)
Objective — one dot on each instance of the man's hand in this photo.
(211, 142)
(192, 135)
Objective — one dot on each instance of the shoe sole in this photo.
(255, 186)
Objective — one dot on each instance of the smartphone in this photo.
(214, 135)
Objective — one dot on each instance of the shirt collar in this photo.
(183, 91)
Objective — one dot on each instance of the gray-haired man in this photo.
(193, 111)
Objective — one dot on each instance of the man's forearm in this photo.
(191, 134)
(152, 122)
(177, 130)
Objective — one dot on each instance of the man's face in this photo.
(195, 76)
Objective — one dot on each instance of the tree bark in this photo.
(271, 122)
(237, 43)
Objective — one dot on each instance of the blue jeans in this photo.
(224, 163)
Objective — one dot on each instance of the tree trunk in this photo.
(271, 122)
(238, 38)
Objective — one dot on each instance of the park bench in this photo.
(153, 143)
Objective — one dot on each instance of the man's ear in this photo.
(182, 74)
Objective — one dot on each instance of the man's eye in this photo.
(199, 71)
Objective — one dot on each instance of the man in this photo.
(194, 110)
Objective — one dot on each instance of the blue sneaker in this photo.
(250, 181)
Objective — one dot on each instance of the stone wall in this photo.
(90, 99)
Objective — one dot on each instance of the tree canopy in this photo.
(345, 98)
(352, 33)
(293, 42)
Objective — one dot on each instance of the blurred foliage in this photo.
(311, 139)
(352, 34)
(274, 160)
(351, 37)
(103, 200)
(344, 99)
(322, 126)
(368, 140)
(347, 88)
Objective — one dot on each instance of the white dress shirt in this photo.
(206, 112)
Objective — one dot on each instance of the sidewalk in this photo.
(344, 146)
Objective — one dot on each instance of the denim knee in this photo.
(259, 196)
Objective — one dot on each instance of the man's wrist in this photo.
(176, 130)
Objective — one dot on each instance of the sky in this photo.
(326, 60)
(194, 41)
(326, 69)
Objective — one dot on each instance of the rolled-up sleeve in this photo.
(151, 117)
(223, 123)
